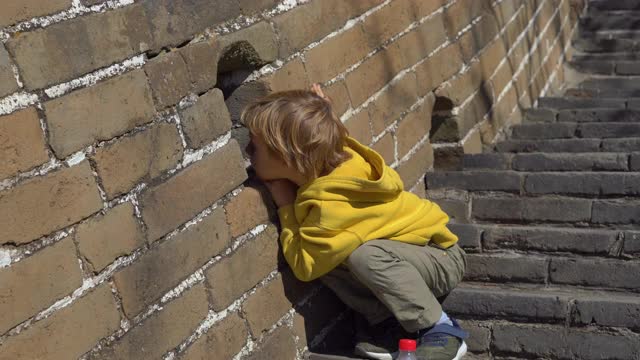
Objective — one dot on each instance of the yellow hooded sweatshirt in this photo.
(360, 200)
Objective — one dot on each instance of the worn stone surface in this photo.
(225, 339)
(16, 11)
(141, 157)
(8, 83)
(22, 142)
(506, 268)
(103, 238)
(100, 112)
(206, 120)
(165, 265)
(79, 45)
(232, 276)
(44, 277)
(48, 203)
(190, 191)
(247, 210)
(168, 79)
(67, 334)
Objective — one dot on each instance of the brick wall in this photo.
(130, 226)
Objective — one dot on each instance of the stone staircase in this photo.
(550, 219)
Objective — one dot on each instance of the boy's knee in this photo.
(365, 257)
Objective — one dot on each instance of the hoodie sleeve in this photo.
(310, 249)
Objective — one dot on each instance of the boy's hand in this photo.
(318, 90)
(283, 191)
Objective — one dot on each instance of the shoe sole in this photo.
(375, 356)
(461, 351)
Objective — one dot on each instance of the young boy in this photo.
(347, 220)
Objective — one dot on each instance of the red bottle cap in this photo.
(407, 345)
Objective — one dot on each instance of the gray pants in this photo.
(384, 278)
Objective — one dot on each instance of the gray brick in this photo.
(576, 102)
(531, 209)
(583, 183)
(593, 66)
(554, 145)
(494, 161)
(614, 5)
(596, 45)
(608, 310)
(621, 145)
(458, 210)
(633, 104)
(207, 119)
(494, 302)
(168, 78)
(541, 115)
(80, 45)
(632, 242)
(468, 235)
(506, 268)
(608, 130)
(479, 338)
(549, 239)
(558, 342)
(570, 162)
(634, 162)
(628, 68)
(593, 22)
(599, 115)
(544, 131)
(610, 84)
(616, 212)
(474, 180)
(601, 273)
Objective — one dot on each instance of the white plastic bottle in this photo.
(407, 350)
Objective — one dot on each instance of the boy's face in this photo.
(267, 164)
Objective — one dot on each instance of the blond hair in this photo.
(301, 127)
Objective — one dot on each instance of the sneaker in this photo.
(379, 341)
(442, 342)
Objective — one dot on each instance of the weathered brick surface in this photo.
(223, 340)
(372, 75)
(609, 130)
(549, 239)
(359, 127)
(634, 162)
(415, 126)
(495, 302)
(168, 78)
(252, 46)
(23, 143)
(624, 145)
(583, 183)
(164, 266)
(278, 345)
(544, 131)
(207, 119)
(601, 273)
(68, 333)
(48, 203)
(532, 209)
(506, 268)
(554, 145)
(100, 112)
(79, 45)
(45, 277)
(180, 198)
(344, 50)
(103, 238)
(175, 322)
(201, 61)
(460, 14)
(469, 236)
(394, 100)
(557, 342)
(339, 97)
(620, 311)
(423, 40)
(615, 212)
(141, 157)
(16, 11)
(478, 37)
(417, 165)
(493, 161)
(386, 147)
(438, 68)
(476, 180)
(267, 305)
(294, 76)
(232, 276)
(599, 115)
(8, 83)
(247, 210)
(479, 335)
(570, 162)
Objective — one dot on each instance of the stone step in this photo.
(610, 87)
(539, 304)
(595, 161)
(548, 240)
(565, 130)
(578, 115)
(605, 5)
(583, 184)
(606, 34)
(599, 45)
(569, 145)
(620, 21)
(569, 102)
(554, 209)
(606, 67)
